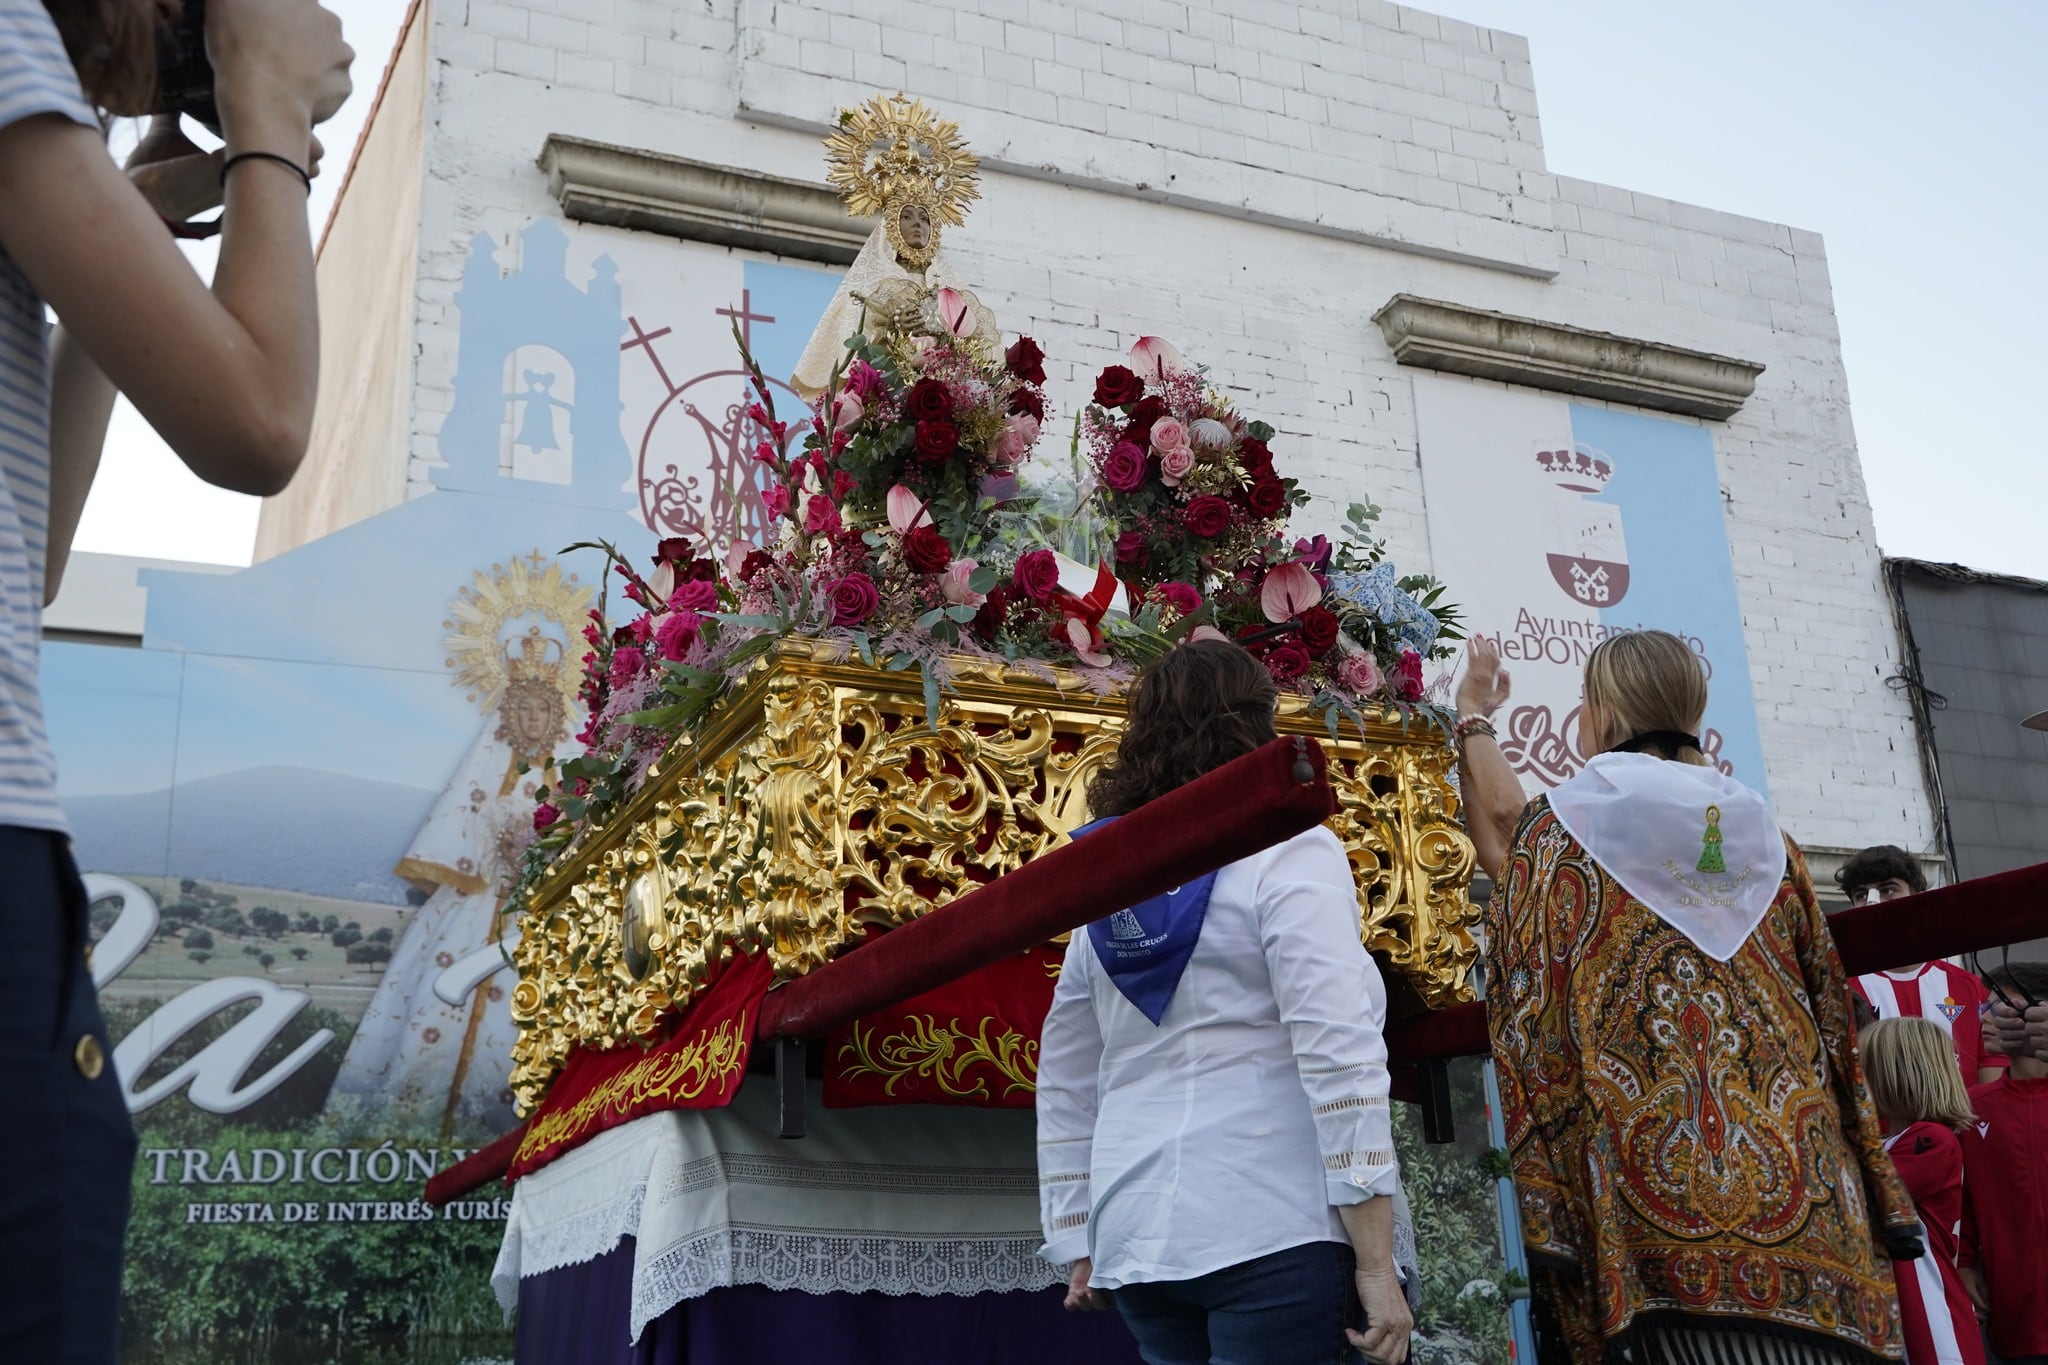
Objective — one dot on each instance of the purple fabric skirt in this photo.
(580, 1315)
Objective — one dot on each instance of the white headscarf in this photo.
(1700, 849)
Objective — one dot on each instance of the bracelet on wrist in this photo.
(294, 167)
(1470, 726)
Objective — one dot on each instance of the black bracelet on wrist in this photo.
(239, 157)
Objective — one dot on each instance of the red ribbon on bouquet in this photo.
(1081, 623)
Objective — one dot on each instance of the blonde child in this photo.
(1910, 1065)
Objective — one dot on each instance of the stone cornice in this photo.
(1434, 335)
(596, 182)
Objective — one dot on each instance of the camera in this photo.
(184, 76)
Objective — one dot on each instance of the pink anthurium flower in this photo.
(956, 314)
(1087, 645)
(1207, 633)
(953, 584)
(905, 511)
(1157, 358)
(1289, 590)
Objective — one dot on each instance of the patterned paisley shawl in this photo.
(1693, 1147)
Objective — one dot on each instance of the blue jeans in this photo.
(1289, 1308)
(66, 1145)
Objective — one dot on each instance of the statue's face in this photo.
(533, 720)
(914, 226)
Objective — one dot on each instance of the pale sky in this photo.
(1908, 137)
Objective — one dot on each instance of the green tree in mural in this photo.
(343, 937)
(198, 938)
(268, 922)
(298, 954)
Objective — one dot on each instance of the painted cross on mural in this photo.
(713, 409)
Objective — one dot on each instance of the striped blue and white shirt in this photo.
(35, 78)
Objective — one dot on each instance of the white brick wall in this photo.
(1253, 179)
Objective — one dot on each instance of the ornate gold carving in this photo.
(817, 804)
(943, 1054)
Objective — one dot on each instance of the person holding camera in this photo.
(227, 376)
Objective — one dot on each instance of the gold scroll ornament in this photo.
(816, 802)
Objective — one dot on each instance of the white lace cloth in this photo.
(905, 1200)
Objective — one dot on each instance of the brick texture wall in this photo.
(1252, 179)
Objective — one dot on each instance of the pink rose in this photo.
(543, 816)
(854, 599)
(821, 518)
(1168, 434)
(699, 594)
(953, 584)
(627, 663)
(1124, 468)
(676, 632)
(847, 410)
(1019, 432)
(1361, 673)
(1182, 597)
(1408, 676)
(1037, 574)
(1174, 465)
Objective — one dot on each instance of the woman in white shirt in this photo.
(1214, 1141)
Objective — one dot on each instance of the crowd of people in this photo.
(1725, 1151)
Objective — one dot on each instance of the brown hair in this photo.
(1878, 864)
(2027, 978)
(1644, 681)
(1202, 704)
(1911, 1067)
(112, 45)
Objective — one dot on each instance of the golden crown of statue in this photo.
(539, 659)
(485, 612)
(892, 155)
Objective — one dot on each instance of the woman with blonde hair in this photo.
(1697, 1162)
(1919, 1094)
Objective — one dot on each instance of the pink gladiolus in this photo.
(1169, 434)
(1174, 465)
(1155, 358)
(905, 511)
(953, 584)
(1288, 591)
(955, 313)
(821, 518)
(847, 410)
(775, 501)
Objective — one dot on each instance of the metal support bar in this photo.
(1436, 1100)
(789, 1087)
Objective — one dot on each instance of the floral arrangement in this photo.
(908, 532)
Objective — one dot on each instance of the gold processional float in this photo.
(824, 795)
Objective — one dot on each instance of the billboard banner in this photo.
(299, 804)
(1558, 524)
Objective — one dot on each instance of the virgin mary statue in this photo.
(892, 158)
(433, 1051)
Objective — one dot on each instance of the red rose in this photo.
(854, 599)
(544, 815)
(756, 562)
(1026, 361)
(675, 550)
(1207, 516)
(1268, 497)
(926, 551)
(1130, 548)
(1318, 630)
(936, 441)
(1144, 413)
(1117, 386)
(1123, 469)
(1038, 573)
(1256, 458)
(1027, 403)
(1408, 676)
(1287, 662)
(1182, 597)
(995, 609)
(928, 400)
